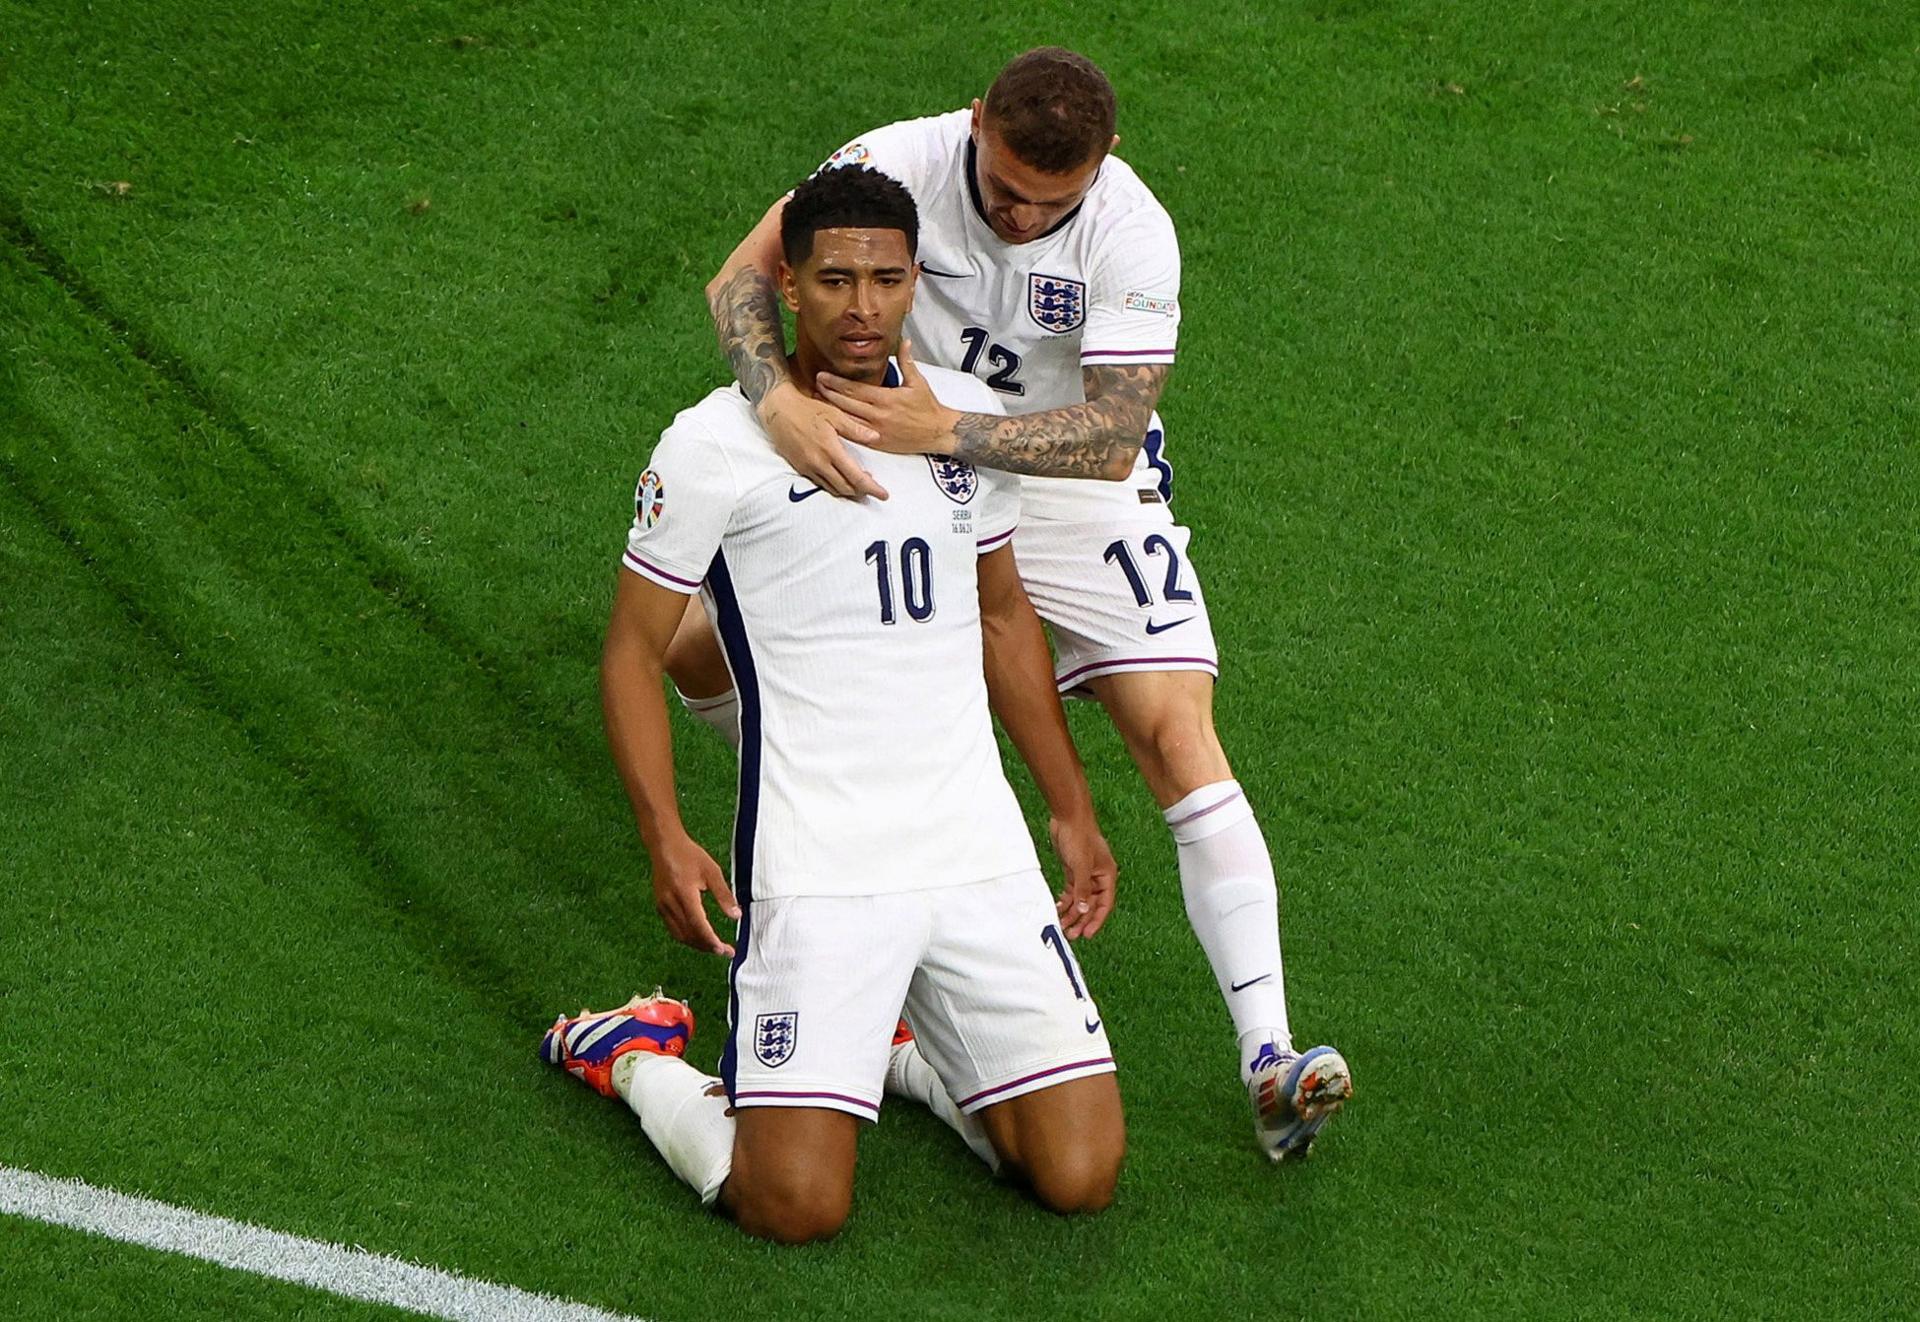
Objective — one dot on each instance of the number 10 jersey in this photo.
(868, 763)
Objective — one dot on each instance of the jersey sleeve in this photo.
(1133, 297)
(999, 492)
(999, 510)
(681, 506)
(903, 151)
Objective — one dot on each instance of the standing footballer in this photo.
(1052, 273)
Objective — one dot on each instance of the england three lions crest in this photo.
(954, 477)
(773, 1038)
(1056, 304)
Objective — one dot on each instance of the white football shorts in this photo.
(1107, 568)
(995, 996)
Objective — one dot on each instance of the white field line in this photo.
(353, 1273)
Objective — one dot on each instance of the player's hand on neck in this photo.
(807, 433)
(909, 418)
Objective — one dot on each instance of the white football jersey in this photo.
(868, 763)
(1101, 287)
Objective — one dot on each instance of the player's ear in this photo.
(789, 287)
(973, 127)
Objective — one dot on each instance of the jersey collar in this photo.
(892, 378)
(973, 192)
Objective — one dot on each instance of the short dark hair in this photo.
(846, 197)
(1053, 108)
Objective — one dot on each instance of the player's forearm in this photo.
(1021, 691)
(746, 317)
(640, 737)
(1097, 439)
(745, 304)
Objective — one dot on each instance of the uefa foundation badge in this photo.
(649, 499)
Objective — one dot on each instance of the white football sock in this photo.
(722, 713)
(909, 1076)
(1226, 876)
(684, 1114)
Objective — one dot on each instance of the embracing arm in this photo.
(745, 303)
(746, 309)
(1021, 691)
(1097, 439)
(644, 618)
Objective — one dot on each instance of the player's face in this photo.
(1022, 203)
(849, 298)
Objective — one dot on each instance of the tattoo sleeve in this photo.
(746, 316)
(1097, 439)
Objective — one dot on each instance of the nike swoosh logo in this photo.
(1242, 986)
(944, 275)
(1094, 1027)
(1153, 628)
(796, 495)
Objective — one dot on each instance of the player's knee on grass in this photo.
(792, 1178)
(790, 1212)
(694, 660)
(1077, 1178)
(1065, 1144)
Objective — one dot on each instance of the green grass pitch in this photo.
(1546, 410)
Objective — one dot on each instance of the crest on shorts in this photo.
(953, 476)
(773, 1038)
(1056, 304)
(649, 499)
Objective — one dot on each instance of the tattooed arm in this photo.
(745, 304)
(746, 316)
(1097, 439)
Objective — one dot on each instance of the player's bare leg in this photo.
(1226, 877)
(792, 1179)
(782, 1173)
(698, 669)
(1166, 719)
(1064, 1143)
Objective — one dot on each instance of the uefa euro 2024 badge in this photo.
(773, 1037)
(649, 499)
